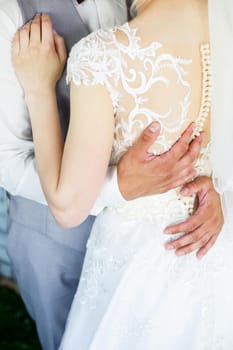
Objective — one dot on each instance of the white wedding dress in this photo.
(134, 294)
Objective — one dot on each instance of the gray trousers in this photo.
(47, 262)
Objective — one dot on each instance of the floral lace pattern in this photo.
(102, 59)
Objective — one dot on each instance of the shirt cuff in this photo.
(110, 195)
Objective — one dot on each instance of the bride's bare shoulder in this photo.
(169, 21)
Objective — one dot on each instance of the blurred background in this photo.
(17, 329)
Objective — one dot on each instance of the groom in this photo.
(47, 259)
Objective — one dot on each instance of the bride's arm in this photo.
(72, 173)
(72, 176)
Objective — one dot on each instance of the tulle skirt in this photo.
(135, 295)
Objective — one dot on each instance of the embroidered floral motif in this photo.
(102, 59)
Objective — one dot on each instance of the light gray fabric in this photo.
(47, 262)
(47, 259)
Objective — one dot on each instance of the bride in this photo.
(134, 294)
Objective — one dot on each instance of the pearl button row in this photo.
(206, 89)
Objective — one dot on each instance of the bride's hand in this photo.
(39, 55)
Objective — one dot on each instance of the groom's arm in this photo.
(138, 174)
(141, 174)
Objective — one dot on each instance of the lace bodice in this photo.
(146, 84)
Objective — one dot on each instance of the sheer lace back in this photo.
(145, 84)
(148, 83)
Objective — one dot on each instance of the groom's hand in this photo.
(204, 226)
(141, 174)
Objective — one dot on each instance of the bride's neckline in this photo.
(131, 32)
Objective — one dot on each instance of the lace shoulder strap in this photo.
(90, 61)
(96, 60)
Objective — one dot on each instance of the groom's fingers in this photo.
(199, 237)
(191, 247)
(189, 225)
(204, 250)
(180, 148)
(146, 139)
(202, 246)
(190, 157)
(200, 185)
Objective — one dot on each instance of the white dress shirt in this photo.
(105, 13)
(85, 9)
(18, 173)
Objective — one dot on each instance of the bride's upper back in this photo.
(168, 66)
(156, 68)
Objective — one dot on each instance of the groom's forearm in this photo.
(138, 174)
